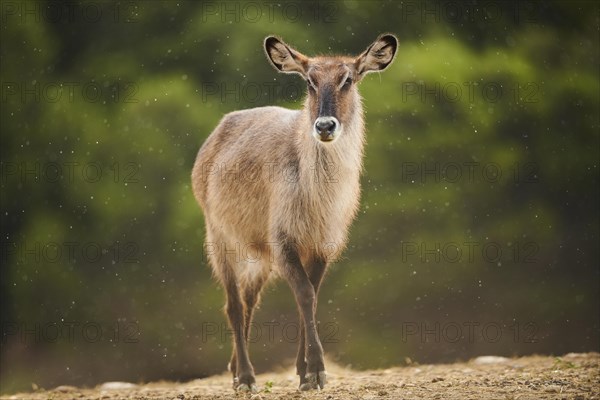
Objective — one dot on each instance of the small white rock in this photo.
(486, 360)
(117, 385)
(65, 388)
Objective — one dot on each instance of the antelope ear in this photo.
(378, 56)
(284, 58)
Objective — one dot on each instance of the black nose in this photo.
(325, 127)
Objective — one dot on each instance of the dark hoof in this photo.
(245, 383)
(314, 380)
(244, 387)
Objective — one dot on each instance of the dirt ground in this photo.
(572, 376)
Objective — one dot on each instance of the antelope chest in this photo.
(318, 215)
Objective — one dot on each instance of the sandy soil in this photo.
(572, 377)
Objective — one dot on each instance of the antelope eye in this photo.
(310, 84)
(348, 81)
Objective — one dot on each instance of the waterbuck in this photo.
(279, 189)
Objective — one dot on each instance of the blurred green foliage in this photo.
(126, 92)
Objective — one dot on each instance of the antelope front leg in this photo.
(310, 377)
(243, 371)
(315, 270)
(305, 295)
(301, 356)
